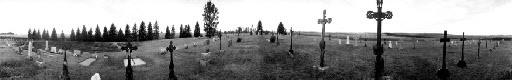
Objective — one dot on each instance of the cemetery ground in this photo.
(256, 59)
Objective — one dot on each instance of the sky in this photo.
(474, 17)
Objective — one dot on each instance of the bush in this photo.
(239, 40)
(272, 39)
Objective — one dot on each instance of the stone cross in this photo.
(129, 71)
(323, 21)
(461, 62)
(378, 49)
(444, 73)
(170, 49)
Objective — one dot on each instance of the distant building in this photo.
(9, 33)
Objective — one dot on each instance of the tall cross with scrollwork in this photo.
(323, 21)
(378, 49)
(129, 48)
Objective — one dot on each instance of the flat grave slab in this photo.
(135, 62)
(87, 62)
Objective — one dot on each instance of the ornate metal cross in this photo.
(444, 73)
(323, 21)
(129, 48)
(171, 49)
(378, 49)
(461, 62)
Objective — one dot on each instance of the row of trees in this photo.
(33, 34)
(185, 31)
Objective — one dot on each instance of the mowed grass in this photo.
(256, 59)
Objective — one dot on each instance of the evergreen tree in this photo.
(197, 31)
(150, 35)
(167, 33)
(90, 36)
(260, 28)
(181, 31)
(47, 35)
(44, 34)
(127, 32)
(97, 34)
(157, 31)
(84, 34)
(134, 32)
(210, 18)
(54, 35)
(188, 31)
(173, 32)
(112, 32)
(62, 37)
(78, 36)
(29, 33)
(142, 31)
(120, 36)
(72, 35)
(281, 29)
(105, 36)
(38, 34)
(34, 34)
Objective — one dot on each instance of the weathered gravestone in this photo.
(76, 53)
(53, 50)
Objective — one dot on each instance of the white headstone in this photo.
(355, 41)
(46, 47)
(76, 52)
(339, 41)
(396, 42)
(390, 44)
(348, 40)
(96, 76)
(53, 50)
(416, 40)
(29, 49)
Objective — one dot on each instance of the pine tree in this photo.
(173, 32)
(62, 37)
(157, 31)
(72, 35)
(29, 33)
(210, 18)
(112, 32)
(134, 35)
(120, 36)
(181, 31)
(105, 36)
(34, 34)
(150, 32)
(90, 36)
(127, 32)
(197, 31)
(84, 34)
(54, 35)
(260, 28)
(44, 34)
(97, 34)
(38, 35)
(78, 36)
(142, 31)
(189, 34)
(167, 33)
(47, 35)
(281, 29)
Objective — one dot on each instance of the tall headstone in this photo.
(348, 40)
(390, 45)
(29, 49)
(46, 47)
(339, 41)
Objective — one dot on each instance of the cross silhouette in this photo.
(461, 62)
(129, 48)
(171, 48)
(323, 21)
(378, 49)
(444, 73)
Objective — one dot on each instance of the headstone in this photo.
(29, 49)
(96, 76)
(339, 41)
(61, 51)
(46, 47)
(396, 42)
(76, 52)
(186, 46)
(53, 50)
(348, 40)
(390, 45)
(230, 42)
(194, 44)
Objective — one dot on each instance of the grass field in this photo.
(256, 59)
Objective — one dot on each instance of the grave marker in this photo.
(339, 41)
(461, 62)
(444, 73)
(322, 43)
(171, 49)
(390, 45)
(378, 48)
(46, 47)
(53, 50)
(29, 50)
(291, 42)
(129, 48)
(478, 52)
(348, 40)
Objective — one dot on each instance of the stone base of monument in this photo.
(135, 62)
(87, 62)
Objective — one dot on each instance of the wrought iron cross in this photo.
(323, 21)
(171, 48)
(444, 73)
(461, 62)
(129, 71)
(378, 49)
(291, 41)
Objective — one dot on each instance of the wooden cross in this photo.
(461, 62)
(378, 48)
(323, 21)
(170, 49)
(291, 41)
(444, 73)
(129, 71)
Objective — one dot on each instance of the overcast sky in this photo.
(480, 17)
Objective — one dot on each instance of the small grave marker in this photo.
(348, 40)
